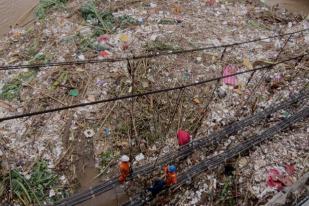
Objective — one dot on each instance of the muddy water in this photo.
(296, 6)
(14, 12)
(114, 197)
(85, 170)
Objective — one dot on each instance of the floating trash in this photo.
(73, 92)
(89, 133)
(139, 157)
(106, 132)
(230, 70)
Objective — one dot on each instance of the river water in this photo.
(14, 12)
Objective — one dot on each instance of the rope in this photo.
(145, 93)
(133, 57)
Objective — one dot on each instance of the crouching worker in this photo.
(124, 168)
(171, 177)
(157, 187)
(183, 137)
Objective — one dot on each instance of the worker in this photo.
(158, 186)
(124, 168)
(171, 177)
(183, 137)
(165, 168)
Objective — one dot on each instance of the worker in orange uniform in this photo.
(171, 177)
(124, 168)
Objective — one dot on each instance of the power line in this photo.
(145, 93)
(184, 151)
(147, 56)
(213, 162)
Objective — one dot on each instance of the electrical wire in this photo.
(213, 162)
(145, 93)
(186, 150)
(146, 56)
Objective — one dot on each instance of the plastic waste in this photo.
(183, 137)
(106, 132)
(73, 92)
(139, 157)
(230, 70)
(89, 133)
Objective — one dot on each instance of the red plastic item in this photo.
(104, 53)
(183, 137)
(273, 179)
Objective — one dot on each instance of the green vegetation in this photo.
(126, 21)
(39, 57)
(62, 78)
(258, 25)
(34, 55)
(226, 195)
(33, 49)
(86, 43)
(106, 157)
(105, 20)
(167, 21)
(159, 45)
(32, 189)
(11, 90)
(45, 5)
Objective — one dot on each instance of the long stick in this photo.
(131, 71)
(170, 122)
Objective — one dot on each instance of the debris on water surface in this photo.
(230, 70)
(89, 133)
(106, 132)
(74, 92)
(139, 157)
